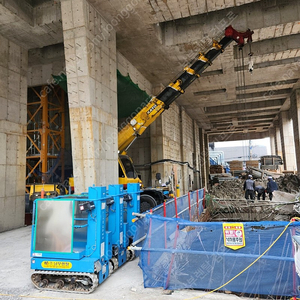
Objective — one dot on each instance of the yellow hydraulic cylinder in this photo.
(177, 190)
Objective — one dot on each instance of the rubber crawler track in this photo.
(70, 282)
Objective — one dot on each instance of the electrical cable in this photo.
(171, 161)
(245, 269)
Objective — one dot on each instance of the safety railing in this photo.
(188, 207)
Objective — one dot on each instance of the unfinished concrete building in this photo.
(152, 42)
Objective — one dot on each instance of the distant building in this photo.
(242, 153)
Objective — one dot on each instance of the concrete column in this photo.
(287, 141)
(173, 137)
(13, 119)
(203, 158)
(278, 140)
(272, 141)
(196, 151)
(166, 144)
(295, 114)
(90, 53)
(275, 139)
(157, 152)
(206, 158)
(184, 152)
(278, 148)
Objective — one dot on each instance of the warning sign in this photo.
(56, 264)
(234, 236)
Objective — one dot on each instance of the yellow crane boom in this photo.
(157, 105)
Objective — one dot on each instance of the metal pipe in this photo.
(134, 248)
(139, 215)
(139, 240)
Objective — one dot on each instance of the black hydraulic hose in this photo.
(171, 161)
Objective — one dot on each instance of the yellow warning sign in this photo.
(56, 264)
(234, 235)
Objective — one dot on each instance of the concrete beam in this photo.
(46, 54)
(171, 10)
(273, 63)
(245, 119)
(31, 27)
(254, 15)
(237, 136)
(287, 83)
(11, 10)
(280, 77)
(214, 100)
(277, 77)
(236, 108)
(43, 62)
(265, 95)
(274, 45)
(228, 116)
(241, 127)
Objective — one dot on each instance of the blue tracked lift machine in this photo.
(79, 240)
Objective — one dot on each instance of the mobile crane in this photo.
(79, 240)
(151, 197)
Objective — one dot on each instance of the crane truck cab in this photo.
(150, 197)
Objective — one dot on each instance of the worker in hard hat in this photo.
(249, 188)
(260, 190)
(271, 187)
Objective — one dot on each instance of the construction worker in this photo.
(271, 187)
(249, 188)
(260, 192)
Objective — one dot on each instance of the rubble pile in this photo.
(289, 183)
(233, 189)
(228, 201)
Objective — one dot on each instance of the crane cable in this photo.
(258, 258)
(241, 78)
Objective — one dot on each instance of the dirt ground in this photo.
(125, 284)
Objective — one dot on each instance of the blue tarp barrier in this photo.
(179, 254)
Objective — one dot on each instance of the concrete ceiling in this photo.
(161, 37)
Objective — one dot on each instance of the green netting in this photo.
(130, 96)
(61, 80)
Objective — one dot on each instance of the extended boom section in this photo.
(157, 105)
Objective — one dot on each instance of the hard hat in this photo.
(250, 176)
(270, 177)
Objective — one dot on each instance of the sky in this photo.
(240, 148)
(258, 142)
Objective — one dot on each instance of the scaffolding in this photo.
(45, 135)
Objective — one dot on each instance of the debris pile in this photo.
(231, 189)
(227, 201)
(289, 183)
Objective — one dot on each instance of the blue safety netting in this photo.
(187, 206)
(179, 254)
(186, 210)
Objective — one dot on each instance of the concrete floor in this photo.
(126, 283)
